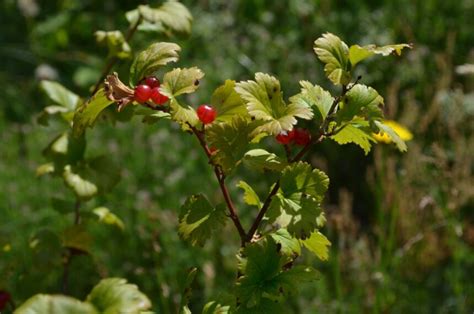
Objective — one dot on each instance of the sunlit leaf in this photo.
(260, 159)
(250, 197)
(358, 53)
(358, 133)
(318, 244)
(115, 295)
(289, 245)
(181, 81)
(150, 60)
(55, 304)
(314, 96)
(395, 138)
(87, 114)
(83, 188)
(60, 95)
(362, 101)
(227, 102)
(173, 15)
(109, 218)
(334, 53)
(183, 114)
(264, 101)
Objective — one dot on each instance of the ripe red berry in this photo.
(157, 97)
(302, 137)
(152, 81)
(142, 93)
(207, 114)
(285, 137)
(4, 299)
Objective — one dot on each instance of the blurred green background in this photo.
(401, 225)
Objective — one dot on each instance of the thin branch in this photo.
(108, 67)
(70, 252)
(221, 180)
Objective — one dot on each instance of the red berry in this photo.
(302, 137)
(142, 93)
(4, 299)
(152, 81)
(206, 114)
(285, 137)
(157, 97)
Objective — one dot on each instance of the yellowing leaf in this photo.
(334, 53)
(318, 244)
(358, 53)
(264, 101)
(181, 81)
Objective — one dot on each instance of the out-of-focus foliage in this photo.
(402, 237)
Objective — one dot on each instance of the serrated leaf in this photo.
(334, 53)
(198, 219)
(301, 178)
(55, 304)
(384, 128)
(150, 60)
(264, 101)
(183, 114)
(86, 115)
(228, 102)
(83, 188)
(60, 95)
(314, 96)
(250, 197)
(115, 42)
(289, 245)
(115, 295)
(297, 205)
(172, 15)
(318, 244)
(355, 133)
(358, 53)
(109, 218)
(362, 101)
(231, 141)
(181, 81)
(260, 159)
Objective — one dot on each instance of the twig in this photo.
(70, 253)
(221, 180)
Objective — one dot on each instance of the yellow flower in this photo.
(402, 131)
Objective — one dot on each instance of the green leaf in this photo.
(393, 135)
(115, 295)
(215, 307)
(115, 42)
(250, 197)
(65, 149)
(55, 304)
(362, 101)
(289, 245)
(83, 188)
(227, 102)
(314, 96)
(109, 218)
(87, 114)
(231, 141)
(198, 219)
(183, 114)
(357, 133)
(358, 53)
(150, 60)
(300, 178)
(77, 237)
(334, 53)
(264, 101)
(260, 159)
(318, 244)
(297, 205)
(181, 81)
(173, 15)
(45, 169)
(60, 95)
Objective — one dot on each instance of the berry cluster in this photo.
(299, 136)
(149, 88)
